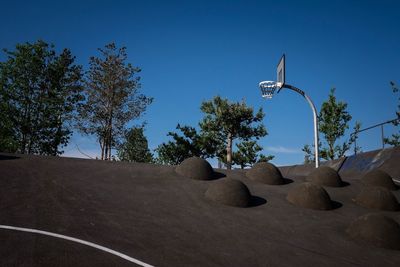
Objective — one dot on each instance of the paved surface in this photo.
(151, 214)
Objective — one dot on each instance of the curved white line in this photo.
(90, 244)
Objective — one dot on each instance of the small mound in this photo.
(195, 168)
(376, 197)
(311, 196)
(379, 178)
(326, 176)
(266, 173)
(230, 192)
(377, 230)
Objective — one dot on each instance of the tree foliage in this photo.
(394, 140)
(223, 122)
(247, 154)
(333, 120)
(226, 121)
(39, 92)
(113, 98)
(134, 147)
(187, 143)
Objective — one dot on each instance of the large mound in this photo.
(326, 176)
(379, 178)
(376, 229)
(230, 192)
(195, 168)
(311, 196)
(376, 197)
(266, 173)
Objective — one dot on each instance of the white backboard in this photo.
(280, 72)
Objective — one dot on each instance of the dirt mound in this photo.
(377, 230)
(311, 196)
(325, 176)
(379, 178)
(195, 168)
(230, 192)
(377, 197)
(266, 173)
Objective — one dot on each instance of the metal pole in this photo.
(314, 110)
(383, 137)
(315, 130)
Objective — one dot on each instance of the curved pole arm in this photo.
(314, 110)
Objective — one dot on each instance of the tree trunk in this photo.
(105, 147)
(331, 151)
(102, 148)
(229, 152)
(109, 143)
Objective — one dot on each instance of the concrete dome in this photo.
(377, 230)
(230, 192)
(376, 197)
(325, 176)
(195, 168)
(266, 173)
(311, 196)
(379, 178)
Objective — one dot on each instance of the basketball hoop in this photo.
(268, 88)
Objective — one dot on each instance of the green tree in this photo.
(187, 143)
(113, 98)
(134, 147)
(309, 155)
(225, 121)
(248, 153)
(333, 120)
(39, 93)
(394, 140)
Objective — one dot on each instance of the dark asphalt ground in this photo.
(151, 214)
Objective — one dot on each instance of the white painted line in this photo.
(90, 244)
(396, 180)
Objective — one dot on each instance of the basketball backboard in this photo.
(280, 72)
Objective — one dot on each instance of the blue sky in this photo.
(190, 51)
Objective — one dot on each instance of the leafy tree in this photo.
(333, 121)
(354, 137)
(248, 153)
(135, 147)
(225, 121)
(309, 155)
(187, 144)
(39, 93)
(113, 99)
(394, 140)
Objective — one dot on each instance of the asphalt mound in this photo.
(265, 172)
(229, 192)
(377, 197)
(195, 168)
(325, 176)
(311, 196)
(377, 230)
(379, 178)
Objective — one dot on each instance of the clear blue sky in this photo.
(190, 51)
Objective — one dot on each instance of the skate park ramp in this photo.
(76, 212)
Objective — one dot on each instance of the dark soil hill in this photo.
(153, 214)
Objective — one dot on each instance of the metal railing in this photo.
(371, 127)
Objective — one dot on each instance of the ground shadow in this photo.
(336, 205)
(287, 181)
(5, 157)
(217, 175)
(256, 201)
(344, 184)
